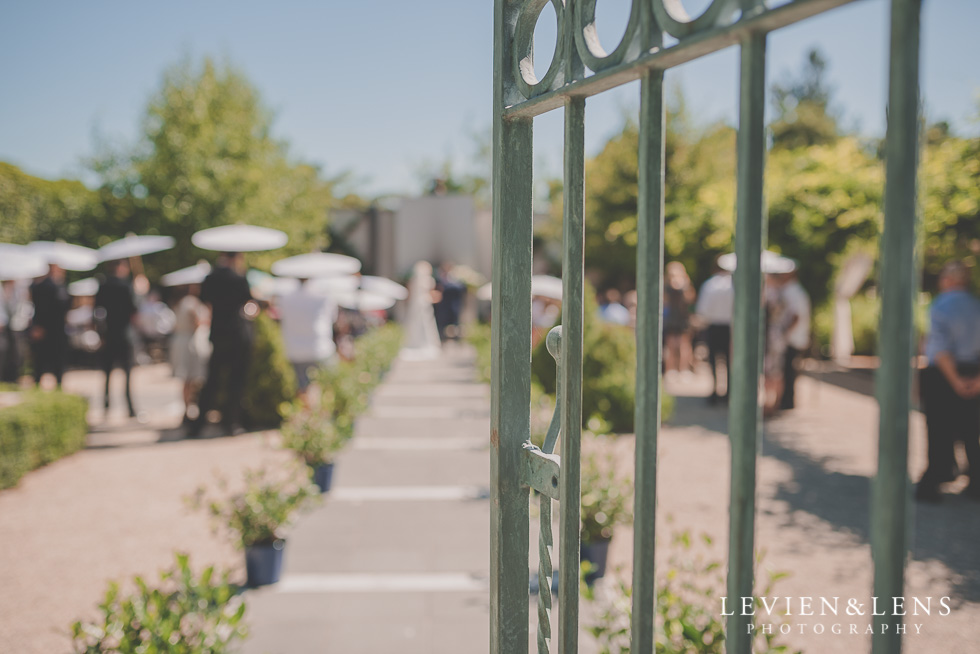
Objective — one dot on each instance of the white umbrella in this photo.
(134, 246)
(316, 264)
(84, 287)
(191, 275)
(541, 285)
(333, 285)
(239, 238)
(65, 255)
(275, 286)
(20, 262)
(365, 301)
(772, 263)
(383, 286)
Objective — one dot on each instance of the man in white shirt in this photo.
(307, 331)
(797, 329)
(714, 308)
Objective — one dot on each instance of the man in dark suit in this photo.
(49, 341)
(227, 293)
(115, 306)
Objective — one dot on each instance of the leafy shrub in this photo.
(256, 515)
(345, 388)
(312, 435)
(605, 497)
(41, 428)
(187, 614)
(688, 619)
(271, 380)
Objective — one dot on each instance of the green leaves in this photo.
(256, 514)
(606, 497)
(185, 614)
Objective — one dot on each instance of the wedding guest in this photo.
(49, 341)
(797, 327)
(227, 293)
(307, 320)
(950, 385)
(714, 308)
(115, 307)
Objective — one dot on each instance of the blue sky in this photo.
(384, 88)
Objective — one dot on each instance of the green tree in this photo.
(206, 157)
(950, 190)
(802, 103)
(35, 209)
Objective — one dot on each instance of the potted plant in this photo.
(256, 517)
(312, 434)
(605, 504)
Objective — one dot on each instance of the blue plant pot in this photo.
(263, 563)
(595, 553)
(323, 476)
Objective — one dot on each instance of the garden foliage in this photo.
(185, 614)
(256, 514)
(688, 619)
(41, 428)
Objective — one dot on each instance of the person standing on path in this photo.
(307, 320)
(49, 341)
(679, 295)
(796, 303)
(115, 307)
(227, 293)
(950, 385)
(189, 346)
(715, 307)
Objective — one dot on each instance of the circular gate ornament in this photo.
(527, 82)
(587, 38)
(673, 18)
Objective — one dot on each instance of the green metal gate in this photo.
(580, 68)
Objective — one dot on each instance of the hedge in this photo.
(42, 428)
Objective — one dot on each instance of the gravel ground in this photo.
(111, 511)
(813, 502)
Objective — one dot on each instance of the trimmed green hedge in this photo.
(42, 428)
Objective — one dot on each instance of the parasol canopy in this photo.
(316, 264)
(21, 262)
(66, 255)
(84, 287)
(333, 285)
(365, 300)
(134, 246)
(191, 275)
(239, 238)
(383, 286)
(772, 263)
(541, 286)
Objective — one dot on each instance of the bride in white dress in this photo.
(421, 333)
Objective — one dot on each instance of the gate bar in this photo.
(744, 412)
(649, 350)
(510, 386)
(899, 268)
(573, 261)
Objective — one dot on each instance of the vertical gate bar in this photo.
(510, 386)
(649, 288)
(744, 413)
(890, 495)
(573, 263)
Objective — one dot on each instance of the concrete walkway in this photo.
(396, 559)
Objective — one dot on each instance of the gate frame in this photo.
(517, 98)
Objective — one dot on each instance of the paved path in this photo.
(396, 559)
